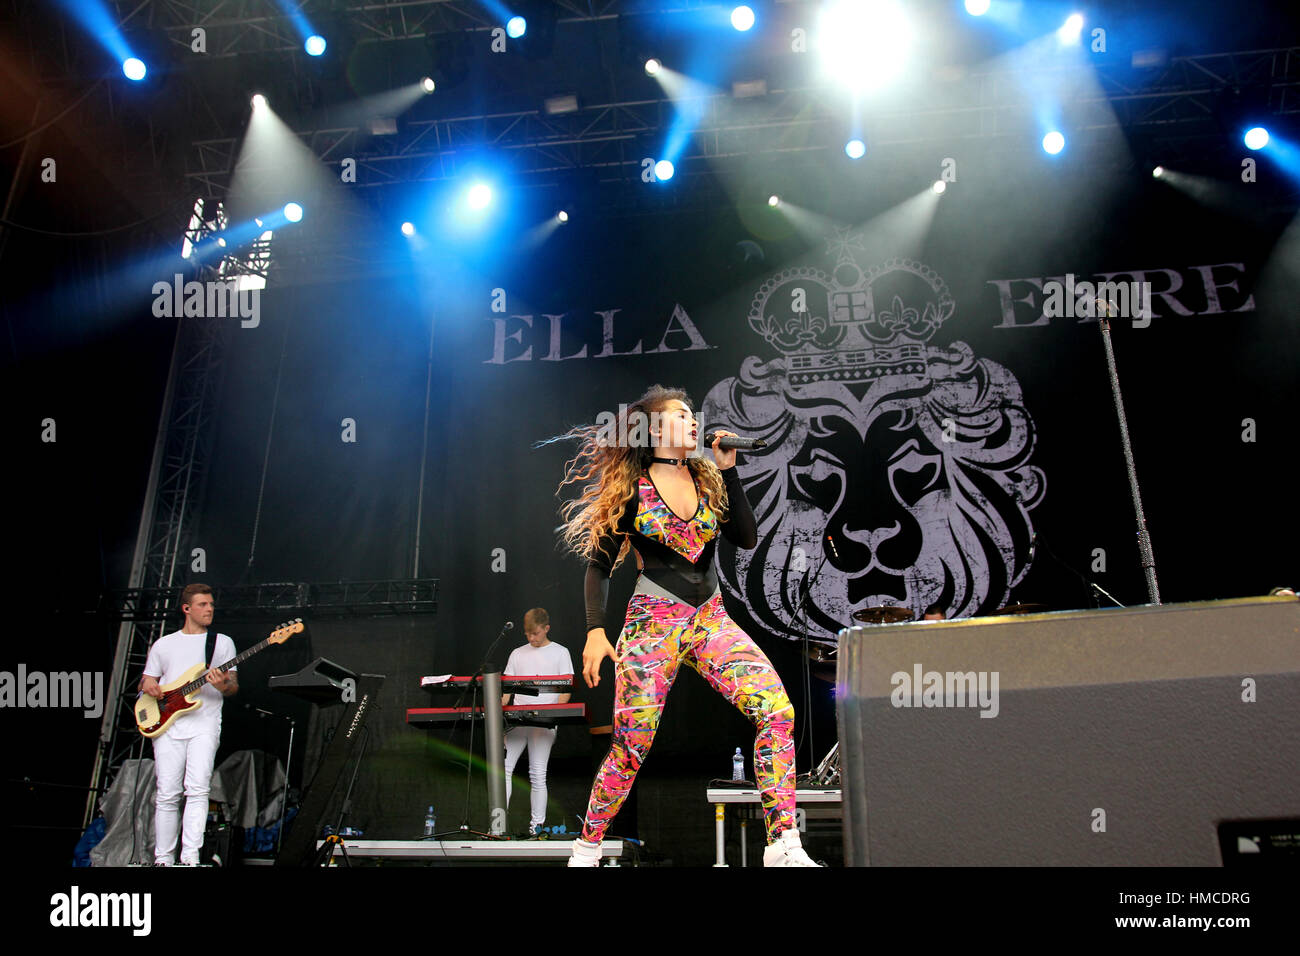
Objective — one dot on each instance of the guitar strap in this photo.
(210, 646)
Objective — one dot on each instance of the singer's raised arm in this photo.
(739, 526)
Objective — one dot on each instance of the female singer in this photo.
(643, 490)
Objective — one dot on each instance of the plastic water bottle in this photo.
(430, 822)
(738, 766)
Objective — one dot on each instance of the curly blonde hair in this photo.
(608, 473)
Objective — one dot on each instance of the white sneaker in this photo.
(585, 854)
(787, 851)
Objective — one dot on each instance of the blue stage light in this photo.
(292, 212)
(977, 8)
(1256, 137)
(1071, 29)
(134, 68)
(479, 196)
(408, 229)
(664, 170)
(516, 27)
(1054, 142)
(855, 149)
(315, 45)
(742, 18)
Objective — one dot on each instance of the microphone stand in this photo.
(1094, 587)
(284, 802)
(807, 667)
(288, 763)
(494, 737)
(1145, 553)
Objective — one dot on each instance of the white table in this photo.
(825, 804)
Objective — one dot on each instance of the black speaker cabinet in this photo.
(1115, 737)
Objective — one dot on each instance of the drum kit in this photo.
(823, 653)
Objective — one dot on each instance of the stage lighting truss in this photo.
(201, 229)
(249, 263)
(1175, 104)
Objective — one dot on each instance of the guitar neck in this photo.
(198, 682)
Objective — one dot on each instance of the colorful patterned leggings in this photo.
(658, 636)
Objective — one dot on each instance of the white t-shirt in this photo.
(529, 661)
(170, 657)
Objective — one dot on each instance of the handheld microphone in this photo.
(728, 442)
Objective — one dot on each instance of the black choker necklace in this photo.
(670, 461)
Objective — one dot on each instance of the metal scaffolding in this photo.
(182, 449)
(176, 476)
(1178, 102)
(186, 138)
(331, 599)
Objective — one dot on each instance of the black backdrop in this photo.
(1217, 505)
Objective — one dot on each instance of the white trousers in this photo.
(539, 741)
(182, 766)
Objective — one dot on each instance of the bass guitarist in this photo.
(185, 752)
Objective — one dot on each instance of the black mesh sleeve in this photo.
(739, 528)
(596, 584)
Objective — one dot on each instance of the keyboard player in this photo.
(539, 657)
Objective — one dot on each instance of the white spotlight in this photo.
(221, 242)
(1256, 137)
(1071, 29)
(562, 216)
(774, 200)
(292, 212)
(408, 229)
(133, 68)
(315, 45)
(427, 84)
(977, 8)
(939, 186)
(516, 27)
(742, 18)
(664, 170)
(1158, 172)
(855, 149)
(652, 66)
(480, 196)
(1053, 142)
(258, 101)
(863, 44)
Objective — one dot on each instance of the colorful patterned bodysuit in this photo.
(676, 616)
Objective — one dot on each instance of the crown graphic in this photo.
(852, 326)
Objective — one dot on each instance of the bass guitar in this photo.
(153, 715)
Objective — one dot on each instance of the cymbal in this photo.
(883, 615)
(822, 653)
(1021, 609)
